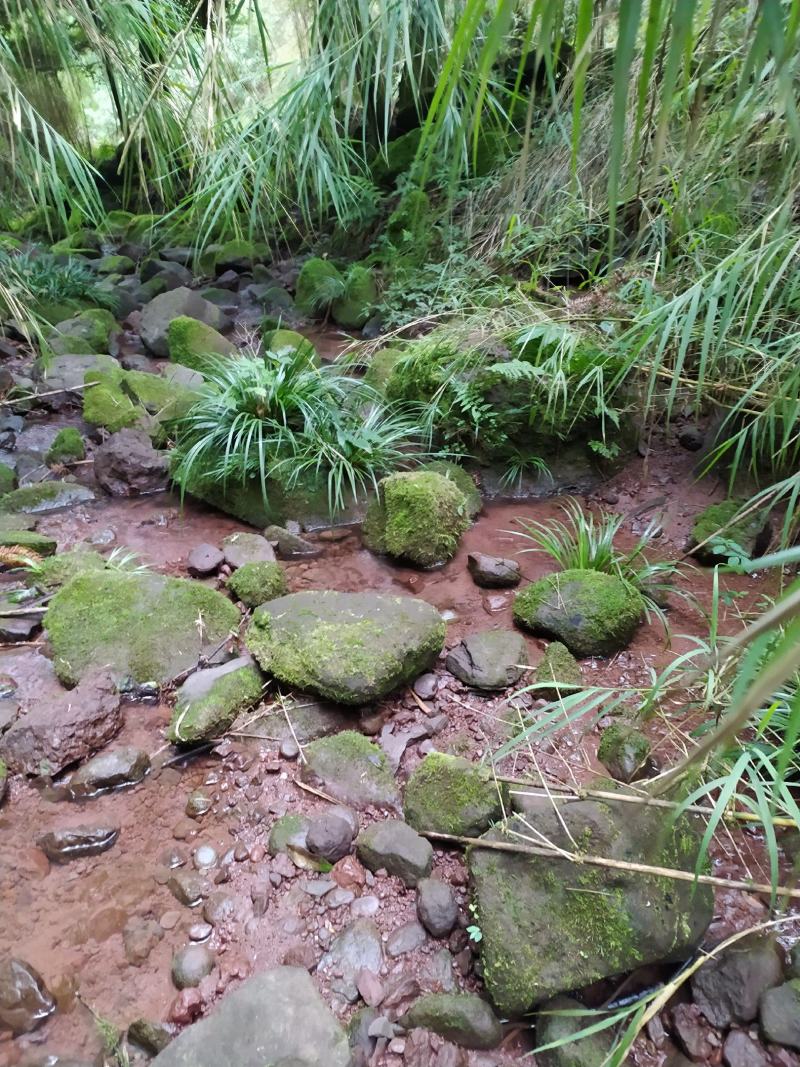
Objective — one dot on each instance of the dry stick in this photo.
(52, 392)
(619, 865)
(316, 792)
(294, 735)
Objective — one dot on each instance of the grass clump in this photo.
(256, 583)
(67, 447)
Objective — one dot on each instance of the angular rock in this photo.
(437, 906)
(116, 767)
(351, 769)
(549, 926)
(139, 938)
(779, 1014)
(592, 613)
(144, 626)
(393, 845)
(127, 464)
(45, 496)
(159, 313)
(190, 965)
(348, 647)
(49, 735)
(276, 1017)
(25, 1001)
(728, 987)
(459, 1017)
(68, 372)
(358, 947)
(207, 703)
(418, 516)
(552, 1026)
(494, 659)
(450, 795)
(256, 583)
(624, 750)
(290, 545)
(493, 572)
(186, 887)
(741, 1050)
(77, 842)
(204, 560)
(406, 938)
(241, 548)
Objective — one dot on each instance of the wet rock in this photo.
(290, 545)
(45, 496)
(459, 1017)
(438, 973)
(593, 614)
(128, 465)
(448, 794)
(139, 938)
(241, 548)
(25, 1001)
(274, 1017)
(779, 1014)
(624, 751)
(205, 856)
(358, 947)
(394, 846)
(406, 938)
(348, 647)
(494, 659)
(558, 669)
(370, 988)
(289, 831)
(198, 803)
(190, 965)
(77, 842)
(142, 626)
(728, 987)
(256, 583)
(748, 536)
(350, 768)
(187, 888)
(159, 313)
(68, 372)
(493, 572)
(220, 908)
(436, 906)
(152, 1037)
(120, 766)
(207, 703)
(310, 718)
(394, 742)
(417, 516)
(330, 836)
(204, 560)
(741, 1050)
(64, 728)
(535, 942)
(552, 1026)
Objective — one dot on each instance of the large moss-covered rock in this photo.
(354, 307)
(550, 925)
(116, 399)
(88, 331)
(559, 670)
(236, 254)
(319, 283)
(348, 647)
(45, 496)
(191, 342)
(558, 1022)
(449, 795)
(418, 516)
(256, 583)
(352, 769)
(748, 536)
(144, 627)
(380, 367)
(58, 570)
(462, 479)
(593, 614)
(286, 341)
(28, 540)
(207, 703)
(160, 312)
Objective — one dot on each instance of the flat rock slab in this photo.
(45, 496)
(350, 768)
(493, 572)
(241, 548)
(348, 647)
(77, 842)
(277, 1017)
(494, 659)
(358, 947)
(395, 847)
(116, 767)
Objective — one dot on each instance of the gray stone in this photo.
(551, 1026)
(493, 572)
(438, 973)
(159, 313)
(241, 548)
(462, 1018)
(25, 1001)
(69, 372)
(190, 965)
(208, 702)
(351, 769)
(119, 766)
(624, 751)
(394, 846)
(77, 842)
(45, 496)
(436, 906)
(310, 717)
(139, 938)
(426, 686)
(274, 1018)
(728, 987)
(128, 465)
(204, 560)
(741, 1050)
(494, 659)
(449, 794)
(406, 938)
(186, 887)
(290, 545)
(152, 1037)
(358, 947)
(780, 1014)
(330, 836)
(289, 831)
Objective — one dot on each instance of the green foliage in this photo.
(45, 278)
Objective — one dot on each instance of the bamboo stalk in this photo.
(617, 865)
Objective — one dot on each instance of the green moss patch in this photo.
(87, 332)
(191, 342)
(319, 283)
(352, 769)
(279, 341)
(748, 536)
(45, 496)
(256, 583)
(38, 543)
(8, 478)
(451, 795)
(355, 306)
(67, 447)
(58, 570)
(558, 666)
(234, 691)
(624, 750)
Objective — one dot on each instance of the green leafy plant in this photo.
(42, 277)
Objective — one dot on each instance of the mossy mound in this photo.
(593, 614)
(67, 447)
(462, 479)
(349, 647)
(748, 536)
(624, 750)
(380, 368)
(397, 157)
(409, 227)
(319, 283)
(236, 255)
(207, 711)
(58, 570)
(36, 542)
(352, 769)
(45, 496)
(8, 478)
(283, 341)
(559, 669)
(84, 242)
(191, 342)
(118, 398)
(462, 1018)
(450, 795)
(256, 583)
(418, 516)
(115, 265)
(85, 333)
(354, 307)
(144, 627)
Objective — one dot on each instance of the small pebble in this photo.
(205, 856)
(289, 749)
(200, 931)
(169, 920)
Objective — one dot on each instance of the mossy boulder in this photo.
(116, 399)
(58, 570)
(352, 769)
(745, 537)
(163, 309)
(397, 157)
(256, 583)
(8, 478)
(349, 647)
(143, 627)
(450, 795)
(67, 447)
(287, 341)
(319, 283)
(45, 496)
(28, 539)
(85, 333)
(418, 517)
(191, 342)
(559, 670)
(463, 479)
(354, 307)
(380, 367)
(208, 702)
(463, 1018)
(288, 831)
(237, 255)
(549, 926)
(115, 265)
(624, 751)
(85, 242)
(593, 614)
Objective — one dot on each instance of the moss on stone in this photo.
(256, 583)
(36, 542)
(462, 1018)
(623, 750)
(115, 265)
(290, 829)
(380, 367)
(118, 398)
(319, 283)
(8, 478)
(280, 341)
(557, 665)
(191, 342)
(236, 254)
(462, 479)
(354, 307)
(750, 533)
(397, 157)
(58, 570)
(409, 227)
(45, 496)
(84, 242)
(418, 516)
(213, 714)
(90, 329)
(451, 795)
(350, 764)
(67, 447)
(105, 404)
